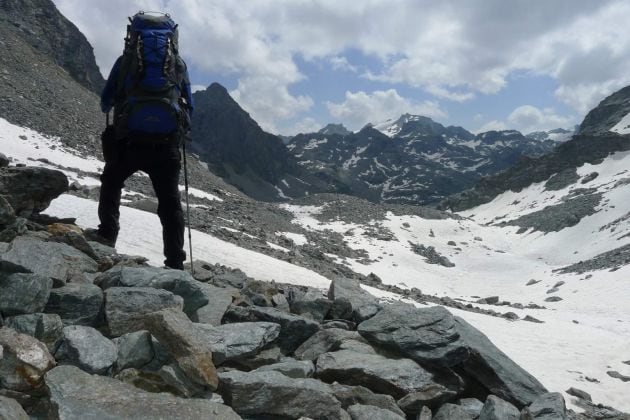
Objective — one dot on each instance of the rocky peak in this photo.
(42, 26)
(229, 140)
(335, 129)
(601, 119)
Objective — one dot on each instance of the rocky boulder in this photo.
(550, 406)
(364, 305)
(58, 261)
(7, 214)
(292, 368)
(452, 412)
(351, 395)
(87, 349)
(135, 350)
(177, 282)
(77, 395)
(47, 328)
(426, 335)
(30, 190)
(23, 293)
(273, 394)
(219, 300)
(497, 409)
(11, 410)
(396, 377)
(126, 307)
(368, 412)
(499, 374)
(237, 341)
(77, 304)
(179, 337)
(23, 361)
(324, 341)
(294, 329)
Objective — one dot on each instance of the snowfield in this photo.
(583, 336)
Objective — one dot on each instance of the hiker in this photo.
(149, 90)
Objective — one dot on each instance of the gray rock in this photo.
(431, 396)
(324, 341)
(177, 282)
(351, 395)
(87, 349)
(259, 293)
(341, 324)
(452, 412)
(30, 190)
(4, 160)
(174, 377)
(396, 377)
(11, 410)
(312, 305)
(472, 405)
(579, 394)
(134, 350)
(617, 375)
(78, 395)
(77, 304)
(7, 215)
(368, 412)
(126, 307)
(549, 406)
(425, 414)
(75, 240)
(238, 340)
(364, 305)
(294, 329)
(495, 370)
(273, 394)
(426, 335)
(497, 409)
(219, 299)
(264, 357)
(189, 349)
(291, 368)
(23, 361)
(47, 328)
(23, 293)
(341, 309)
(147, 380)
(58, 261)
(17, 228)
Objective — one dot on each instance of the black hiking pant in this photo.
(162, 163)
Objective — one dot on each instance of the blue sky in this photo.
(296, 65)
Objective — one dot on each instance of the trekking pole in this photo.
(192, 267)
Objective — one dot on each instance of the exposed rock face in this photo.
(396, 377)
(49, 32)
(425, 335)
(30, 189)
(135, 350)
(294, 329)
(77, 304)
(23, 293)
(351, 395)
(177, 282)
(291, 368)
(58, 261)
(78, 395)
(497, 409)
(47, 328)
(273, 394)
(87, 349)
(11, 409)
(364, 305)
(23, 361)
(126, 307)
(368, 412)
(324, 341)
(549, 406)
(496, 371)
(452, 412)
(178, 336)
(233, 144)
(239, 340)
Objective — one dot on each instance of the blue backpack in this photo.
(150, 79)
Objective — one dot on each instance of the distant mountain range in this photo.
(414, 160)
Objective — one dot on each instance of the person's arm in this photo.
(109, 92)
(185, 89)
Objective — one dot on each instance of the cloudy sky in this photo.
(296, 65)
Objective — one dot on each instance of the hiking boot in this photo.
(95, 236)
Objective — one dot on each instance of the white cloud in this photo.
(197, 88)
(451, 50)
(360, 108)
(527, 119)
